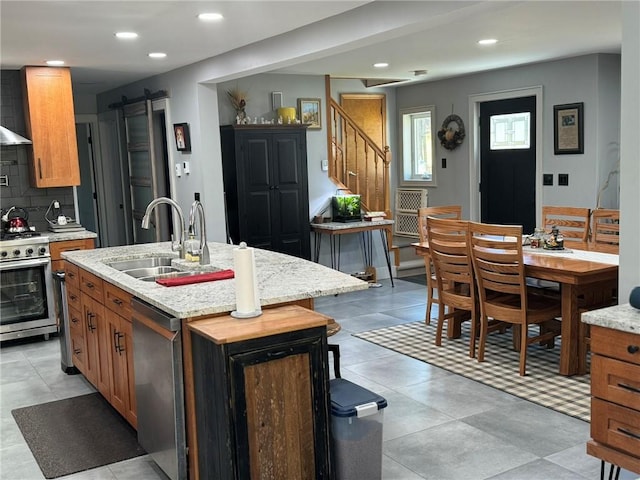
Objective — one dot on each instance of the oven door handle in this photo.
(25, 263)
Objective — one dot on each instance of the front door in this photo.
(508, 162)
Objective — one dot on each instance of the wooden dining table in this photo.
(578, 272)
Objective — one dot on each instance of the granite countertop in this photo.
(619, 317)
(281, 278)
(63, 236)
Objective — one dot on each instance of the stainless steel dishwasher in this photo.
(157, 363)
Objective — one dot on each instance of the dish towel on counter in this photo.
(200, 278)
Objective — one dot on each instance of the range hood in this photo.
(7, 137)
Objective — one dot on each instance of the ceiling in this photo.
(332, 37)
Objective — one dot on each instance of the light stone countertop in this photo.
(64, 236)
(619, 317)
(281, 278)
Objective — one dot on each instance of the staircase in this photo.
(359, 166)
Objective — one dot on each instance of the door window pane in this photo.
(510, 131)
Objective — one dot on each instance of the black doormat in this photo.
(76, 434)
(419, 279)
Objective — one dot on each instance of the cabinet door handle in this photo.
(71, 275)
(77, 351)
(633, 349)
(73, 297)
(89, 322)
(629, 387)
(118, 302)
(281, 353)
(90, 285)
(74, 320)
(116, 340)
(627, 432)
(40, 168)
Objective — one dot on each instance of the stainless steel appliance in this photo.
(26, 286)
(62, 314)
(157, 364)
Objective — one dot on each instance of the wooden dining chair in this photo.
(572, 222)
(457, 300)
(496, 252)
(445, 211)
(605, 230)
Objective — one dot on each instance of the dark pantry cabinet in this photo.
(266, 186)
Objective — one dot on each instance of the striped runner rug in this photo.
(542, 384)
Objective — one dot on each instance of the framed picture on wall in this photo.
(309, 112)
(568, 129)
(183, 140)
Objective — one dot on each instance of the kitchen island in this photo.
(107, 344)
(281, 279)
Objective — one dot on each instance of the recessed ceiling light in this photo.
(55, 63)
(487, 41)
(210, 16)
(127, 35)
(381, 65)
(157, 55)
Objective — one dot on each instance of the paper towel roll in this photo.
(247, 297)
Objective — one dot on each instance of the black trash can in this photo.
(356, 431)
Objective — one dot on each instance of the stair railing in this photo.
(356, 163)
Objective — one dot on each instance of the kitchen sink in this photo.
(142, 263)
(150, 271)
(174, 274)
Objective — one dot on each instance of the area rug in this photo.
(542, 384)
(76, 434)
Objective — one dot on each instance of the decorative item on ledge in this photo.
(450, 138)
(238, 100)
(309, 112)
(287, 115)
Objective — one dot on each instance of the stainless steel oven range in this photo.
(26, 287)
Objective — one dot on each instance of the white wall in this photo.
(630, 152)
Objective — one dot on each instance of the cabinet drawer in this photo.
(117, 300)
(615, 426)
(71, 275)
(56, 248)
(75, 321)
(91, 285)
(615, 381)
(624, 346)
(73, 297)
(78, 351)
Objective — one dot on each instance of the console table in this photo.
(365, 229)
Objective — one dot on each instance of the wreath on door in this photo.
(449, 137)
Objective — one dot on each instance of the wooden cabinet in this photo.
(615, 402)
(56, 249)
(102, 338)
(266, 186)
(261, 395)
(119, 348)
(50, 124)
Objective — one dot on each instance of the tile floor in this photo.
(437, 425)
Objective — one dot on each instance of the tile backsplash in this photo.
(14, 161)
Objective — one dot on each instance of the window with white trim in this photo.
(418, 134)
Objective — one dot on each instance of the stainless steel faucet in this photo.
(197, 208)
(181, 236)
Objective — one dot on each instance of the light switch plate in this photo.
(187, 168)
(563, 179)
(178, 170)
(324, 165)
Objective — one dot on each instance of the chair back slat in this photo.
(443, 211)
(572, 222)
(605, 230)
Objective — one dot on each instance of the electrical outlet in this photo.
(444, 163)
(547, 178)
(563, 179)
(324, 165)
